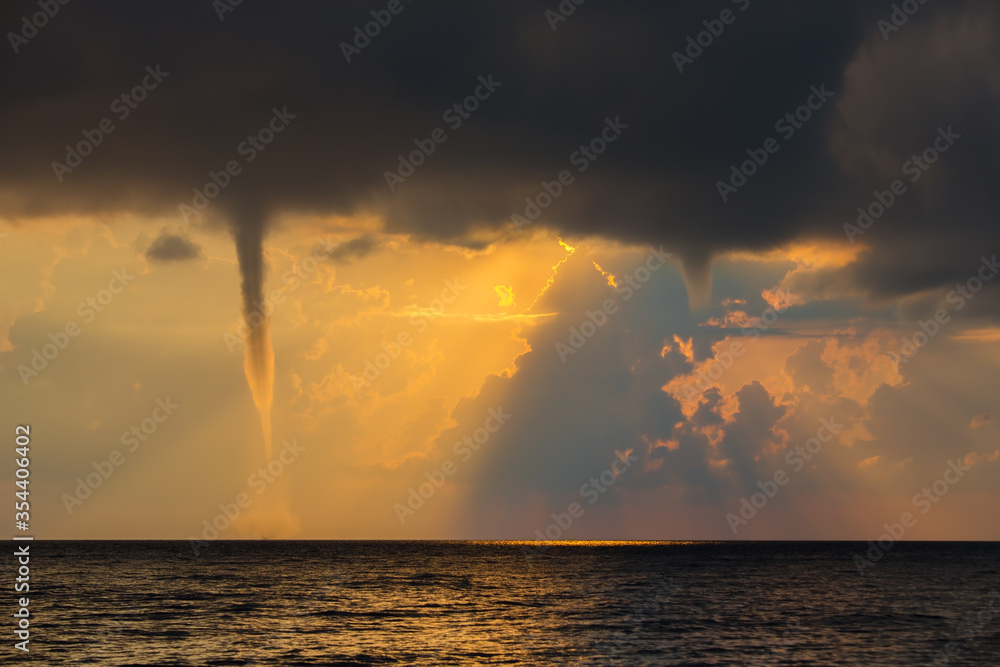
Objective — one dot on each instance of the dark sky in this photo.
(656, 184)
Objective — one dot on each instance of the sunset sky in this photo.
(654, 308)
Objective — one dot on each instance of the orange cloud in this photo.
(870, 461)
(506, 295)
(989, 335)
(975, 458)
(982, 420)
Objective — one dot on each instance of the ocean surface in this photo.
(466, 603)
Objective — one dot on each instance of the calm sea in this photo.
(463, 603)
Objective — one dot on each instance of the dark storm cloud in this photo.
(354, 249)
(169, 247)
(655, 184)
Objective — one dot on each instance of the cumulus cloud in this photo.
(656, 184)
